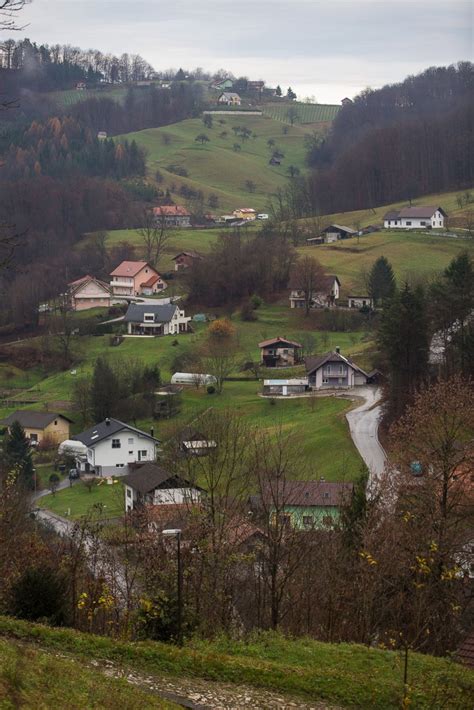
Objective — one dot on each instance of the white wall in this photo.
(108, 460)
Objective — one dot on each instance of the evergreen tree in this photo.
(180, 75)
(278, 91)
(404, 342)
(290, 94)
(354, 514)
(381, 283)
(17, 454)
(105, 392)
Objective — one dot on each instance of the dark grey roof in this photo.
(338, 228)
(150, 476)
(422, 212)
(163, 313)
(31, 419)
(393, 214)
(314, 363)
(107, 428)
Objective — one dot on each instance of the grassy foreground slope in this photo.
(215, 167)
(346, 675)
(33, 678)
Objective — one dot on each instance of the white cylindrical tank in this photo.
(72, 448)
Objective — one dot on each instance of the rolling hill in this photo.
(215, 167)
(305, 113)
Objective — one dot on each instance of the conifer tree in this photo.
(381, 283)
(105, 391)
(17, 454)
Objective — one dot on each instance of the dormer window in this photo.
(148, 318)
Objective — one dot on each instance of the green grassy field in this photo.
(33, 678)
(306, 113)
(77, 501)
(345, 675)
(73, 96)
(215, 168)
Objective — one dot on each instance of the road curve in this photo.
(363, 425)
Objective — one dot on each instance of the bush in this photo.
(256, 301)
(40, 593)
(177, 170)
(247, 312)
(211, 389)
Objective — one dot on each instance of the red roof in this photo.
(171, 211)
(192, 254)
(87, 277)
(130, 268)
(151, 281)
(74, 286)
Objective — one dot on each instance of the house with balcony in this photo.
(136, 278)
(154, 320)
(334, 371)
(280, 352)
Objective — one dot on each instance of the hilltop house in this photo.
(279, 352)
(334, 371)
(185, 259)
(153, 320)
(135, 278)
(172, 216)
(415, 218)
(229, 98)
(112, 446)
(88, 292)
(326, 295)
(150, 485)
(40, 426)
(223, 85)
(303, 505)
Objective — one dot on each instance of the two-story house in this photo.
(279, 352)
(112, 446)
(151, 484)
(172, 216)
(135, 278)
(185, 259)
(40, 426)
(88, 292)
(325, 295)
(427, 217)
(334, 371)
(230, 98)
(153, 320)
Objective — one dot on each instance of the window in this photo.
(130, 453)
(129, 493)
(423, 224)
(341, 369)
(55, 422)
(325, 380)
(130, 441)
(284, 520)
(144, 454)
(119, 465)
(116, 444)
(408, 224)
(33, 437)
(148, 318)
(307, 520)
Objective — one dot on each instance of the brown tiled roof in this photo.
(465, 653)
(171, 211)
(307, 493)
(151, 281)
(129, 268)
(76, 285)
(324, 286)
(192, 254)
(271, 341)
(421, 212)
(30, 419)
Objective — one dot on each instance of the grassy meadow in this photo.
(215, 167)
(306, 113)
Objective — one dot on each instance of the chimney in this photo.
(338, 349)
(107, 421)
(152, 432)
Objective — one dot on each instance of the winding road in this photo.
(363, 425)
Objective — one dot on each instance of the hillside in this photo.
(342, 675)
(215, 167)
(305, 113)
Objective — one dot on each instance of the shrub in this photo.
(40, 593)
(177, 170)
(211, 389)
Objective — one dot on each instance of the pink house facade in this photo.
(88, 292)
(136, 278)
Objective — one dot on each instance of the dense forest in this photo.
(395, 143)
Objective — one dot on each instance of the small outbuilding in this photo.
(285, 388)
(360, 302)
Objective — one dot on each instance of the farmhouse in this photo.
(135, 278)
(229, 98)
(88, 292)
(360, 302)
(324, 296)
(285, 388)
(40, 426)
(333, 232)
(304, 505)
(334, 371)
(151, 485)
(279, 352)
(415, 218)
(172, 216)
(153, 320)
(185, 259)
(244, 213)
(112, 446)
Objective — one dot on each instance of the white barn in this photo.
(428, 217)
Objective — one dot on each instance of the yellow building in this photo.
(245, 213)
(39, 426)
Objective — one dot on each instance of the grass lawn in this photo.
(34, 678)
(77, 501)
(413, 256)
(345, 675)
(306, 113)
(215, 168)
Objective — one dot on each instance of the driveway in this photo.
(363, 424)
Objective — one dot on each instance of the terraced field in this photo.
(306, 113)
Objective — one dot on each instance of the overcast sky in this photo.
(325, 48)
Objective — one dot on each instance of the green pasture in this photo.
(306, 113)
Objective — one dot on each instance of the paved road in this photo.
(363, 424)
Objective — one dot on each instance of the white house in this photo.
(326, 294)
(112, 446)
(360, 302)
(229, 98)
(153, 485)
(151, 320)
(334, 371)
(415, 218)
